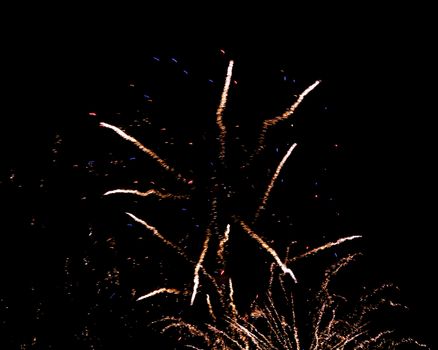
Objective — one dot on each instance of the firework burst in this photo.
(265, 325)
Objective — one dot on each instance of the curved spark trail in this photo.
(198, 267)
(271, 251)
(145, 194)
(285, 115)
(144, 149)
(274, 178)
(222, 243)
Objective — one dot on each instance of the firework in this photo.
(265, 325)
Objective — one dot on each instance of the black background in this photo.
(379, 77)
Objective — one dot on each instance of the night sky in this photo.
(363, 165)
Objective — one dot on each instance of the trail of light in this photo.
(220, 110)
(156, 233)
(258, 338)
(349, 338)
(210, 307)
(180, 252)
(193, 347)
(334, 269)
(271, 251)
(159, 291)
(295, 326)
(277, 324)
(325, 297)
(273, 121)
(145, 194)
(213, 213)
(332, 322)
(216, 331)
(323, 247)
(231, 296)
(286, 114)
(365, 344)
(249, 334)
(222, 244)
(198, 267)
(143, 148)
(365, 299)
(411, 341)
(271, 276)
(179, 323)
(316, 340)
(291, 110)
(274, 178)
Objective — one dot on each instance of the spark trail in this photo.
(156, 233)
(198, 267)
(222, 243)
(179, 251)
(145, 194)
(274, 178)
(144, 149)
(323, 247)
(268, 249)
(220, 111)
(160, 291)
(268, 123)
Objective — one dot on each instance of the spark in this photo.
(159, 291)
(326, 299)
(244, 333)
(294, 325)
(145, 194)
(325, 246)
(156, 233)
(222, 243)
(143, 148)
(374, 339)
(273, 179)
(285, 115)
(220, 110)
(217, 332)
(175, 322)
(179, 251)
(198, 266)
(231, 297)
(210, 307)
(271, 251)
